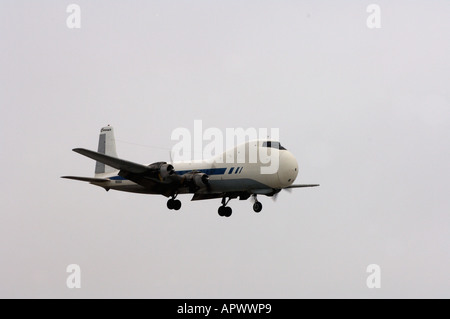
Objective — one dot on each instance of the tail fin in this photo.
(107, 146)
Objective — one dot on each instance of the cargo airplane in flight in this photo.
(226, 178)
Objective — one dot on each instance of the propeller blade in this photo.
(274, 197)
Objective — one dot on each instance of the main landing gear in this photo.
(173, 203)
(224, 210)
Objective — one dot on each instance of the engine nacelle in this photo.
(195, 180)
(166, 170)
(161, 169)
(201, 180)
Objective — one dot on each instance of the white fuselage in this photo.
(247, 167)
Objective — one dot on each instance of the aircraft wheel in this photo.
(228, 211)
(221, 211)
(171, 204)
(176, 204)
(257, 207)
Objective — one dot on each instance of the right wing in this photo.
(302, 185)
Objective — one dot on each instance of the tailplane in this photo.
(107, 146)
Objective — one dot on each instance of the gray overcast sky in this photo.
(365, 111)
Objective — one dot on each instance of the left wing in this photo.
(87, 179)
(147, 176)
(115, 162)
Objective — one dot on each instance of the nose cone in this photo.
(288, 170)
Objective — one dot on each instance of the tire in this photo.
(176, 204)
(170, 204)
(228, 211)
(257, 207)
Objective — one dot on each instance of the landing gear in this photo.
(257, 206)
(173, 203)
(225, 211)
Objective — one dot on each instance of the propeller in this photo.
(275, 196)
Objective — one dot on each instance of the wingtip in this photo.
(80, 150)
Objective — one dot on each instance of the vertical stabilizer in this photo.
(107, 146)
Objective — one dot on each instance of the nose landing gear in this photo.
(257, 206)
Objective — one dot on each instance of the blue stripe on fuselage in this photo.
(117, 178)
(207, 171)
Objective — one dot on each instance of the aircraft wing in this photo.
(302, 185)
(115, 162)
(87, 179)
(140, 174)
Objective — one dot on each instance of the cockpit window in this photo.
(276, 145)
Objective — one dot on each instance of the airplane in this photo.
(223, 177)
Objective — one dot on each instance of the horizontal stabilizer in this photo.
(87, 179)
(302, 185)
(115, 162)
